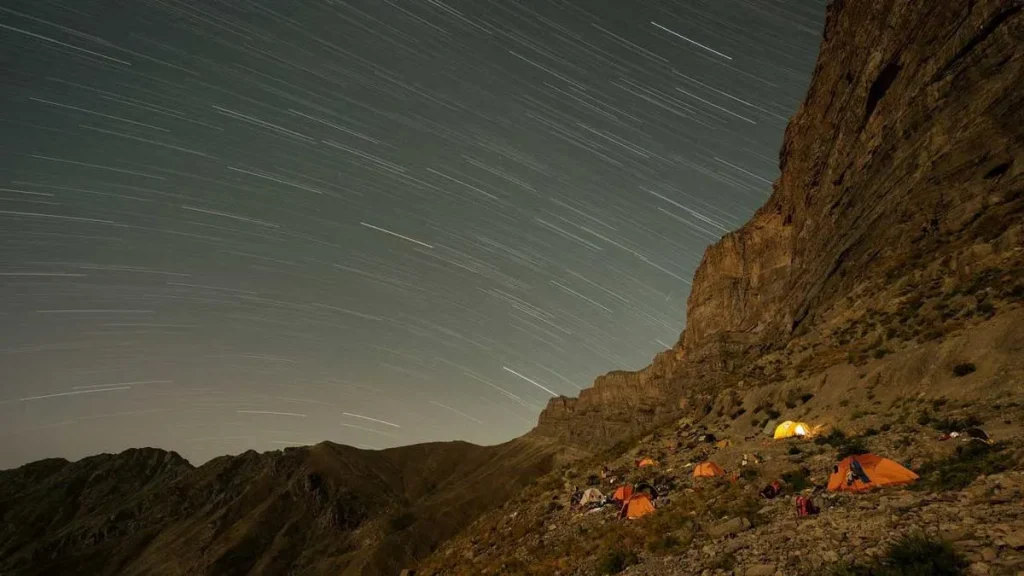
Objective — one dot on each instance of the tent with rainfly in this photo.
(864, 472)
(591, 496)
(637, 506)
(789, 428)
(708, 470)
(622, 493)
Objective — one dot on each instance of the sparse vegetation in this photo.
(616, 560)
(959, 470)
(952, 424)
(401, 521)
(798, 479)
(963, 369)
(915, 555)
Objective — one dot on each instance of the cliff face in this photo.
(904, 157)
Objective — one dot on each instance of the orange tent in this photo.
(638, 506)
(646, 462)
(708, 470)
(880, 471)
(622, 493)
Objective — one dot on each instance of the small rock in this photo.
(733, 546)
(760, 570)
(979, 569)
(957, 534)
(988, 554)
(733, 526)
(1015, 540)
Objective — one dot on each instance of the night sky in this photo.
(247, 224)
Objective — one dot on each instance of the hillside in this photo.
(877, 294)
(325, 509)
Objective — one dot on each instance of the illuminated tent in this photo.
(788, 429)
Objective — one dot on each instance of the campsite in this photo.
(793, 497)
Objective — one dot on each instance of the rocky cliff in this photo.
(903, 166)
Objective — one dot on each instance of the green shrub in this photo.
(399, 522)
(916, 555)
(953, 424)
(851, 447)
(963, 369)
(665, 544)
(959, 470)
(616, 560)
(798, 479)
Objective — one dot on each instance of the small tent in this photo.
(591, 496)
(646, 462)
(645, 487)
(978, 434)
(637, 506)
(708, 470)
(864, 472)
(622, 493)
(788, 429)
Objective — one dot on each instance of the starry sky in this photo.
(232, 224)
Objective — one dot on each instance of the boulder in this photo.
(732, 526)
(760, 570)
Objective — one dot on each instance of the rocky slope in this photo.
(325, 509)
(878, 289)
(901, 180)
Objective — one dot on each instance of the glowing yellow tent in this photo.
(788, 429)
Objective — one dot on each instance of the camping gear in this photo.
(622, 493)
(708, 470)
(978, 434)
(789, 428)
(591, 496)
(857, 473)
(879, 472)
(645, 487)
(805, 506)
(576, 497)
(638, 506)
(772, 490)
(646, 462)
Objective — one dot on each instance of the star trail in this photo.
(232, 225)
